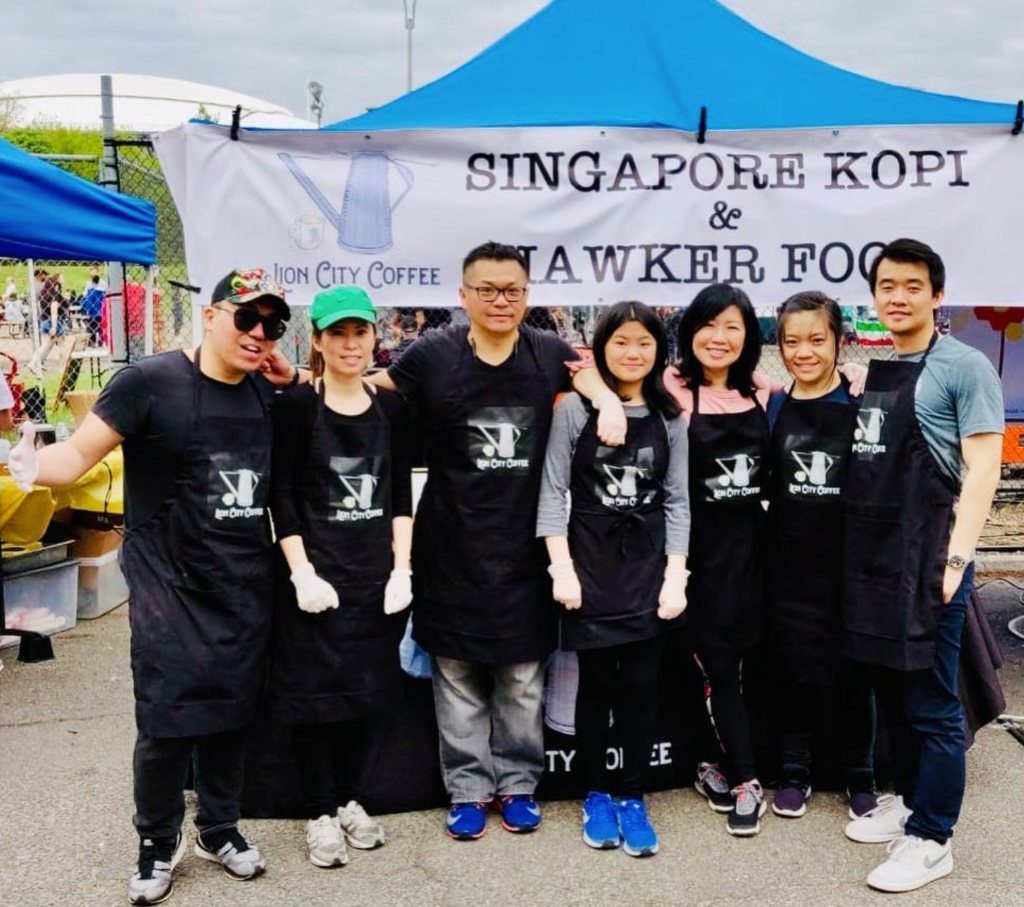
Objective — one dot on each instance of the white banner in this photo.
(603, 214)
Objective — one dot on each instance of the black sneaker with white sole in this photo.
(153, 879)
(713, 786)
(241, 859)
(748, 807)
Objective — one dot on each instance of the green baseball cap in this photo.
(331, 306)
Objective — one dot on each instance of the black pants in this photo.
(844, 710)
(161, 766)
(722, 671)
(332, 759)
(621, 681)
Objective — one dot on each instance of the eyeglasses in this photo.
(247, 318)
(487, 293)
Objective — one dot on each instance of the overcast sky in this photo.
(356, 48)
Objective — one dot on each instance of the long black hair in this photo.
(707, 305)
(657, 398)
(813, 301)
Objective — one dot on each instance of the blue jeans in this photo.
(926, 727)
(490, 729)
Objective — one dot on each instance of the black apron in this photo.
(341, 663)
(617, 535)
(898, 510)
(725, 607)
(481, 589)
(201, 578)
(808, 461)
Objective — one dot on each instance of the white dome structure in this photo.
(141, 103)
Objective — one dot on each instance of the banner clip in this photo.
(703, 128)
(236, 118)
(1018, 122)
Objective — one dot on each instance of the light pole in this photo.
(316, 100)
(410, 24)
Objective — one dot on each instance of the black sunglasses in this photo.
(274, 326)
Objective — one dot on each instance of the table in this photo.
(96, 357)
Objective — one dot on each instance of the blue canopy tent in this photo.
(48, 213)
(657, 63)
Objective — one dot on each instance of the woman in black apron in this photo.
(341, 499)
(813, 425)
(719, 345)
(620, 570)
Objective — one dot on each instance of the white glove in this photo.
(566, 587)
(672, 598)
(611, 419)
(312, 593)
(398, 591)
(22, 463)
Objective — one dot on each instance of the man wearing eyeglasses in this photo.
(482, 597)
(197, 556)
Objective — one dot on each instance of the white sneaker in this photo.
(325, 842)
(35, 369)
(153, 880)
(883, 823)
(913, 862)
(361, 831)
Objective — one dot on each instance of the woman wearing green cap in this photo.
(342, 504)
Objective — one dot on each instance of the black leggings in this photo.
(332, 759)
(723, 685)
(621, 681)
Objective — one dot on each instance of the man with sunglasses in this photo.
(482, 596)
(196, 431)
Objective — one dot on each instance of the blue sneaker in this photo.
(520, 813)
(467, 821)
(600, 822)
(639, 838)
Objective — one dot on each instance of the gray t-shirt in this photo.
(959, 394)
(568, 422)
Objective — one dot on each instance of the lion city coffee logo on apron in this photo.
(356, 496)
(236, 492)
(501, 439)
(811, 472)
(869, 437)
(624, 482)
(739, 476)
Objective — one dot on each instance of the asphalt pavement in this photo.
(66, 734)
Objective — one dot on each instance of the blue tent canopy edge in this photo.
(48, 213)
(655, 64)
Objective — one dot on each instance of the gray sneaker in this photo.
(325, 842)
(240, 859)
(360, 830)
(748, 806)
(153, 880)
(712, 784)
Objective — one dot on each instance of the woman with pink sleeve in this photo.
(724, 404)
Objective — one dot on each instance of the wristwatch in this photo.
(956, 562)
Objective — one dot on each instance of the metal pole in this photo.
(148, 342)
(410, 24)
(33, 305)
(115, 272)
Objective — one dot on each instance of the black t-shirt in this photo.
(150, 404)
(294, 417)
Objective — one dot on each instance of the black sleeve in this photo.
(124, 403)
(292, 432)
(555, 353)
(416, 362)
(402, 439)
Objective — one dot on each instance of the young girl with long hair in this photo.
(618, 561)
(342, 505)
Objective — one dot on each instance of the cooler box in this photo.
(44, 600)
(101, 585)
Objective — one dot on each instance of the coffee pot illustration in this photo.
(737, 474)
(240, 491)
(869, 425)
(813, 466)
(622, 479)
(364, 221)
(501, 439)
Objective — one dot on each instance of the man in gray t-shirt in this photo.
(902, 535)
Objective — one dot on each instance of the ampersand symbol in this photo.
(724, 216)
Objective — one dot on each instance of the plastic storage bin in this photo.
(101, 585)
(44, 600)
